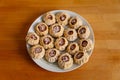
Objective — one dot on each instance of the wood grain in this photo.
(17, 15)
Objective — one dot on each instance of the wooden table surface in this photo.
(17, 15)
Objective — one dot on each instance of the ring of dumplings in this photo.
(60, 38)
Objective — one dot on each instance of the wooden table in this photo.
(17, 15)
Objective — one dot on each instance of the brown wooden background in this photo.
(17, 15)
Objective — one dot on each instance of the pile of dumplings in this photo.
(60, 38)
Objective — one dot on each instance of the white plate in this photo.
(54, 67)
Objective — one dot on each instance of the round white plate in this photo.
(53, 66)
